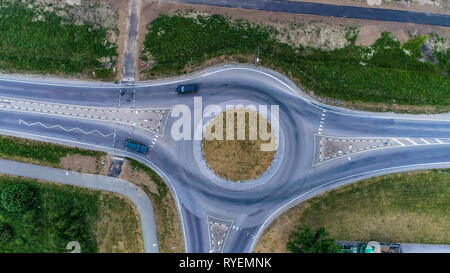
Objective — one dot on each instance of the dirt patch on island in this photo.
(234, 147)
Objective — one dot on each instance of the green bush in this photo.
(59, 214)
(17, 198)
(305, 240)
(6, 233)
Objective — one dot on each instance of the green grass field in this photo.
(60, 214)
(401, 208)
(386, 72)
(40, 41)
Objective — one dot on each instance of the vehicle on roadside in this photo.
(358, 247)
(187, 88)
(135, 146)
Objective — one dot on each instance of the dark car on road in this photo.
(187, 88)
(137, 147)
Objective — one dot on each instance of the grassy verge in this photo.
(62, 213)
(41, 41)
(405, 208)
(169, 232)
(118, 226)
(46, 154)
(387, 72)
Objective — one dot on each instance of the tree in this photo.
(6, 233)
(305, 240)
(17, 198)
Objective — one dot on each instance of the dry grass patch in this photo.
(242, 157)
(402, 208)
(118, 229)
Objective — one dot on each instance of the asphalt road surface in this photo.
(96, 182)
(330, 10)
(320, 147)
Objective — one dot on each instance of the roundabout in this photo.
(319, 147)
(233, 145)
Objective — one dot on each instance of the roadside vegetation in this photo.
(46, 154)
(49, 40)
(387, 72)
(111, 237)
(400, 208)
(44, 218)
(170, 237)
(306, 240)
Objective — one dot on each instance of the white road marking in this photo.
(402, 144)
(67, 130)
(410, 140)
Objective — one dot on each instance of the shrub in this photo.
(304, 240)
(6, 233)
(17, 198)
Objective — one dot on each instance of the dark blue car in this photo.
(187, 88)
(137, 147)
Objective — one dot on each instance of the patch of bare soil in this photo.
(237, 155)
(96, 12)
(122, 9)
(368, 35)
(86, 164)
(139, 178)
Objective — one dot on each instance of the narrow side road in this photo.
(129, 58)
(96, 182)
(330, 10)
